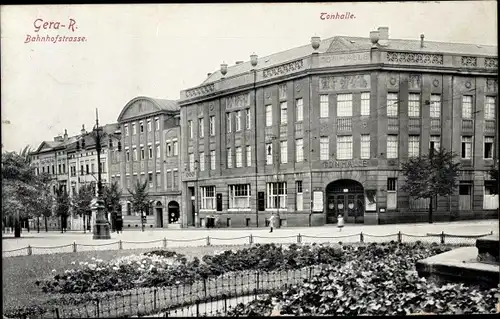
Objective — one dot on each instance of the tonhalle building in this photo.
(323, 129)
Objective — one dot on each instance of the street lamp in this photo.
(101, 226)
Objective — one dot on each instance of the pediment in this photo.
(138, 108)
(339, 45)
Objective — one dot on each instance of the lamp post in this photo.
(101, 226)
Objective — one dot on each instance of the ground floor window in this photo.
(239, 196)
(490, 198)
(276, 195)
(208, 197)
(465, 195)
(300, 198)
(392, 194)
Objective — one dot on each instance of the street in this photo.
(55, 242)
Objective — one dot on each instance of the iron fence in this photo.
(216, 296)
(442, 238)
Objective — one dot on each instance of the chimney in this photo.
(83, 131)
(239, 62)
(383, 36)
(65, 135)
(58, 138)
(422, 40)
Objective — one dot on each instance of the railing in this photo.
(213, 296)
(443, 238)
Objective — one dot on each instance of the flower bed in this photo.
(165, 268)
(380, 281)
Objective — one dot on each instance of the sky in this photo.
(157, 50)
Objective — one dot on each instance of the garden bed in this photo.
(163, 280)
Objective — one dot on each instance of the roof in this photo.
(167, 105)
(161, 104)
(347, 43)
(52, 145)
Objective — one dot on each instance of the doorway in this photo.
(347, 198)
(173, 212)
(159, 214)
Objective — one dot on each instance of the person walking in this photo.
(340, 222)
(119, 224)
(272, 220)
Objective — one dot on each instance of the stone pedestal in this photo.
(488, 249)
(101, 226)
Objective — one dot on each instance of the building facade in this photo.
(150, 138)
(322, 130)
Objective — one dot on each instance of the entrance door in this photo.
(159, 214)
(345, 198)
(173, 212)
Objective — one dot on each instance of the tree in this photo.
(21, 187)
(62, 207)
(140, 201)
(82, 201)
(111, 197)
(431, 175)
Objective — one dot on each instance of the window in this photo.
(488, 147)
(150, 151)
(158, 179)
(143, 154)
(176, 148)
(239, 156)
(413, 146)
(190, 129)
(392, 146)
(365, 104)
(299, 200)
(464, 195)
(212, 125)
(269, 115)
(435, 142)
(149, 126)
(414, 105)
(92, 168)
(249, 155)
(150, 179)
(435, 106)
(176, 179)
(365, 146)
(276, 195)
(466, 147)
(299, 110)
(134, 130)
(212, 160)
(201, 128)
(248, 121)
(344, 105)
(169, 179)
(391, 193)
(239, 196)
(157, 124)
(59, 169)
(392, 104)
(284, 151)
(157, 150)
(344, 147)
(467, 107)
(228, 122)
(490, 197)
(191, 162)
(202, 161)
(208, 197)
(134, 158)
(81, 170)
(229, 158)
(283, 113)
(299, 150)
(126, 130)
(141, 127)
(238, 121)
(489, 108)
(323, 105)
(86, 169)
(282, 91)
(324, 148)
(168, 149)
(269, 153)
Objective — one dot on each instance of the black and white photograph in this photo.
(250, 159)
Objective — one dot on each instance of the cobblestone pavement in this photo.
(55, 242)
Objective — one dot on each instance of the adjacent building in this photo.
(321, 130)
(150, 139)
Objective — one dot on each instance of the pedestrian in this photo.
(340, 222)
(271, 222)
(119, 224)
